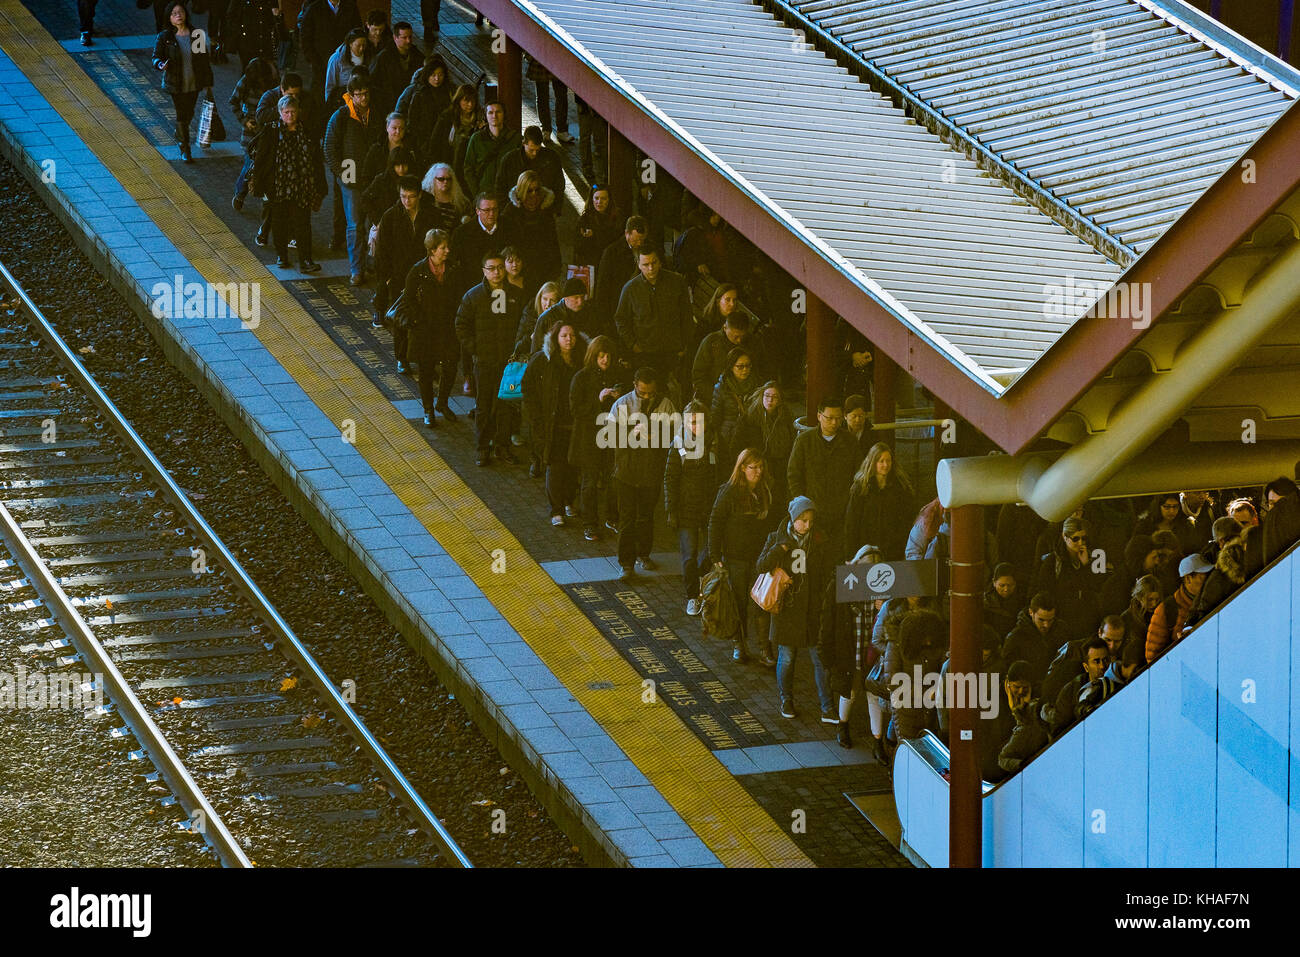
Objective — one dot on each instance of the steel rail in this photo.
(289, 644)
(160, 753)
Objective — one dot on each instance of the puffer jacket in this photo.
(485, 333)
(1229, 574)
(1167, 623)
(348, 139)
(547, 389)
(339, 71)
(727, 412)
(167, 57)
(690, 485)
(422, 104)
(798, 622)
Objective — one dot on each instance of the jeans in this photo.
(689, 540)
(636, 510)
(355, 216)
(785, 659)
(245, 171)
(544, 88)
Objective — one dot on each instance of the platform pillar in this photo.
(820, 326)
(510, 80)
(965, 792)
(621, 155)
(884, 387)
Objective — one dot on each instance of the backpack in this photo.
(720, 616)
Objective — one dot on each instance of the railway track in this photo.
(118, 589)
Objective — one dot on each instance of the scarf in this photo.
(352, 110)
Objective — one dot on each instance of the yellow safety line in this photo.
(668, 753)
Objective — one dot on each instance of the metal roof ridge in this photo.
(1253, 59)
(853, 273)
(1074, 220)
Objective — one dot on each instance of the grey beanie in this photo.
(800, 504)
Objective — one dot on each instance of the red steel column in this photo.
(510, 78)
(820, 326)
(621, 156)
(884, 387)
(965, 818)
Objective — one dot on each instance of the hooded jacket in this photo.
(798, 622)
(422, 105)
(1026, 643)
(347, 139)
(1228, 575)
(339, 71)
(535, 236)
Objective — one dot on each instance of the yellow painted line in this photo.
(668, 753)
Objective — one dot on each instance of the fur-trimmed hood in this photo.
(1232, 562)
(548, 199)
(551, 345)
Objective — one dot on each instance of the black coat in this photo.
(547, 382)
(586, 405)
(250, 29)
(880, 516)
(167, 50)
(401, 243)
(391, 79)
(486, 333)
(321, 30)
(1281, 527)
(1025, 643)
(727, 412)
(268, 111)
(773, 435)
(535, 238)
(736, 533)
(823, 470)
(469, 243)
(798, 623)
(265, 160)
(349, 140)
(422, 105)
(432, 308)
(690, 486)
(1077, 590)
(604, 230)
(617, 265)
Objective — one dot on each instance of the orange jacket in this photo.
(1160, 633)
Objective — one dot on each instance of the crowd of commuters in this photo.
(452, 214)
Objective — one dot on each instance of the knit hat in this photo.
(574, 287)
(800, 504)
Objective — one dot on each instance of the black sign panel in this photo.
(682, 681)
(886, 580)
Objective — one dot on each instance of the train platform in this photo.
(528, 624)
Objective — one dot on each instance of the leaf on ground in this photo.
(310, 720)
(288, 684)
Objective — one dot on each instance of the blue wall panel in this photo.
(1293, 766)
(1002, 832)
(1053, 805)
(1183, 770)
(1115, 746)
(1254, 722)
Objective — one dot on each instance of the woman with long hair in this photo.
(769, 427)
(461, 120)
(731, 395)
(531, 216)
(738, 525)
(600, 224)
(1144, 599)
(423, 101)
(531, 333)
(353, 54)
(547, 382)
(881, 505)
(182, 55)
(450, 204)
(690, 483)
(593, 390)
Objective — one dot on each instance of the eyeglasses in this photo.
(442, 179)
(1078, 539)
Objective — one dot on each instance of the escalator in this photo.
(1191, 764)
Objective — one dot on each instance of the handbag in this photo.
(209, 110)
(218, 124)
(770, 588)
(512, 381)
(398, 314)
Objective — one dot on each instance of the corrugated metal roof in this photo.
(948, 249)
(1126, 110)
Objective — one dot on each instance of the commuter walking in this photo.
(639, 454)
(399, 245)
(731, 396)
(182, 56)
(547, 390)
(259, 78)
(769, 427)
(431, 302)
(738, 525)
(654, 317)
(593, 391)
(289, 170)
(253, 29)
(486, 321)
(322, 25)
(347, 139)
(690, 485)
(881, 506)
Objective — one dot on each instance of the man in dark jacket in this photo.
(711, 357)
(487, 148)
(641, 422)
(1065, 666)
(399, 245)
(322, 25)
(654, 317)
(253, 28)
(351, 132)
(1282, 520)
(617, 265)
(534, 154)
(1058, 713)
(1035, 637)
(485, 325)
(394, 68)
(570, 310)
(690, 486)
(482, 234)
(822, 464)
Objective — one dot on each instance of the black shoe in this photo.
(591, 535)
(535, 469)
(185, 155)
(447, 414)
(237, 201)
(403, 369)
(261, 238)
(310, 266)
(843, 737)
(648, 564)
(482, 460)
(430, 421)
(505, 455)
(282, 263)
(85, 38)
(787, 710)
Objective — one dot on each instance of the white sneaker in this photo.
(693, 606)
(569, 512)
(566, 137)
(557, 520)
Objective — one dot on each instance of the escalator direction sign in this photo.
(886, 580)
